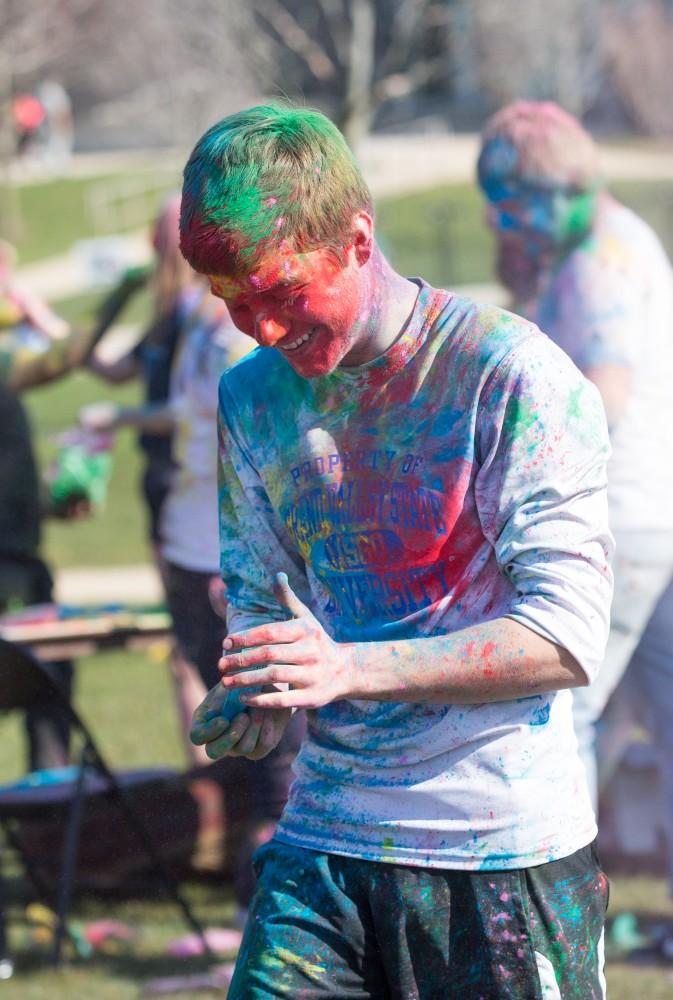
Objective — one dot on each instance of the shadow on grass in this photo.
(637, 938)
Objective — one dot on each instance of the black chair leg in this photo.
(6, 964)
(69, 862)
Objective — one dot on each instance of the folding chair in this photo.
(23, 684)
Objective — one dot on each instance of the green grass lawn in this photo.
(438, 234)
(50, 216)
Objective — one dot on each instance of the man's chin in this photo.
(311, 367)
(315, 361)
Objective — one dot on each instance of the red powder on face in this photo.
(312, 297)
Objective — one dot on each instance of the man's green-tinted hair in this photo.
(270, 175)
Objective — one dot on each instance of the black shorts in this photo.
(327, 927)
(199, 631)
(156, 485)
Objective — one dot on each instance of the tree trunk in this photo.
(356, 113)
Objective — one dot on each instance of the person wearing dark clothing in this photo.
(36, 347)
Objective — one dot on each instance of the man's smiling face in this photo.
(306, 305)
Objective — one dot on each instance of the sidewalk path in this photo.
(397, 163)
(139, 584)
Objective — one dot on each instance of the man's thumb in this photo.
(287, 598)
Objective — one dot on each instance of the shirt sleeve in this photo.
(253, 543)
(542, 442)
(603, 307)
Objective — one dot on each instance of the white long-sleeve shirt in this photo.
(458, 478)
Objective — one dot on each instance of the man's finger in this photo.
(209, 721)
(221, 746)
(299, 653)
(293, 698)
(262, 635)
(250, 738)
(287, 598)
(205, 730)
(243, 682)
(269, 736)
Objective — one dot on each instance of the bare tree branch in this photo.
(404, 25)
(548, 50)
(293, 36)
(397, 85)
(368, 51)
(355, 118)
(337, 17)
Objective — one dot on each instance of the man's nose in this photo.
(269, 330)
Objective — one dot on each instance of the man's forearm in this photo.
(497, 660)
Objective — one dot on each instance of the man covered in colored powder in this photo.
(415, 548)
(596, 279)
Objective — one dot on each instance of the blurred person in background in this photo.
(184, 316)
(151, 358)
(595, 278)
(57, 131)
(36, 347)
(180, 367)
(28, 115)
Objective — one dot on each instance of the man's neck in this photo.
(388, 302)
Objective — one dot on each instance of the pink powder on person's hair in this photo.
(552, 145)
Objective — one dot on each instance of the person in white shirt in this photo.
(595, 278)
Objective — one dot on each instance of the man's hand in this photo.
(99, 417)
(229, 729)
(298, 652)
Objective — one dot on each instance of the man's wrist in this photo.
(353, 676)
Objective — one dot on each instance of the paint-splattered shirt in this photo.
(611, 303)
(458, 478)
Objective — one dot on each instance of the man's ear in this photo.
(362, 237)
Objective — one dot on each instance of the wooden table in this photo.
(91, 631)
